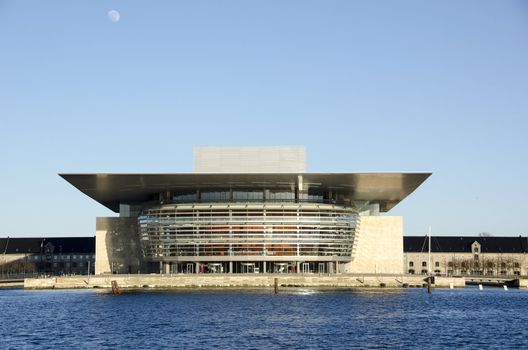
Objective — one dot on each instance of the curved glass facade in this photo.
(234, 231)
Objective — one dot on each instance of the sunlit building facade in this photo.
(249, 210)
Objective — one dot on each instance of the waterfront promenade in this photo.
(239, 281)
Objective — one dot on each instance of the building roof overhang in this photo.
(387, 189)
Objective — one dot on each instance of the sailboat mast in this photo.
(429, 251)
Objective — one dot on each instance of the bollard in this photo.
(115, 288)
(276, 285)
(429, 286)
(480, 286)
(451, 286)
(505, 287)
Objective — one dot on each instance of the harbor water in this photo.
(258, 319)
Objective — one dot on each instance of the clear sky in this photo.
(438, 86)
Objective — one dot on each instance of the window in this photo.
(248, 195)
(215, 196)
(280, 196)
(411, 263)
(516, 265)
(437, 264)
(424, 263)
(411, 271)
(184, 197)
(312, 196)
(424, 272)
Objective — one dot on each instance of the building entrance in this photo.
(189, 268)
(248, 267)
(321, 268)
(305, 268)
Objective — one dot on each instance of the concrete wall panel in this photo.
(379, 246)
(250, 159)
(117, 246)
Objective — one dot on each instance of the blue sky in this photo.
(365, 85)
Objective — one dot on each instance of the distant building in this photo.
(450, 255)
(250, 209)
(489, 256)
(51, 255)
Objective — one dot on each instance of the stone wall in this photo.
(117, 246)
(379, 246)
(235, 281)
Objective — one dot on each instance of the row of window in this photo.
(62, 257)
(424, 263)
(466, 272)
(450, 264)
(249, 195)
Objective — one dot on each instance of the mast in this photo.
(429, 276)
(429, 251)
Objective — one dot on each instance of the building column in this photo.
(264, 267)
(161, 267)
(298, 267)
(167, 268)
(197, 268)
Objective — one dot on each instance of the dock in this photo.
(227, 281)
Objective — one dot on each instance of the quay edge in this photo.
(238, 281)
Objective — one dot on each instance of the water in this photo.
(301, 319)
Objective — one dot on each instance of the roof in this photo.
(387, 189)
(62, 245)
(447, 244)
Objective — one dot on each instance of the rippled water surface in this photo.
(299, 319)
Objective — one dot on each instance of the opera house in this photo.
(249, 210)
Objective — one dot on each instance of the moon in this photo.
(114, 16)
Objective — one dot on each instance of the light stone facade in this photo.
(379, 247)
(464, 264)
(117, 248)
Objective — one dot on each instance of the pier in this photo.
(241, 281)
(495, 281)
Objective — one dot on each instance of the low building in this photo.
(477, 256)
(21, 257)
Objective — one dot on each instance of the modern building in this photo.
(489, 256)
(252, 209)
(21, 257)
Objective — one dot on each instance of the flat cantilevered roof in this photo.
(387, 189)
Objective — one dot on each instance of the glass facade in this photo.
(235, 230)
(233, 195)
